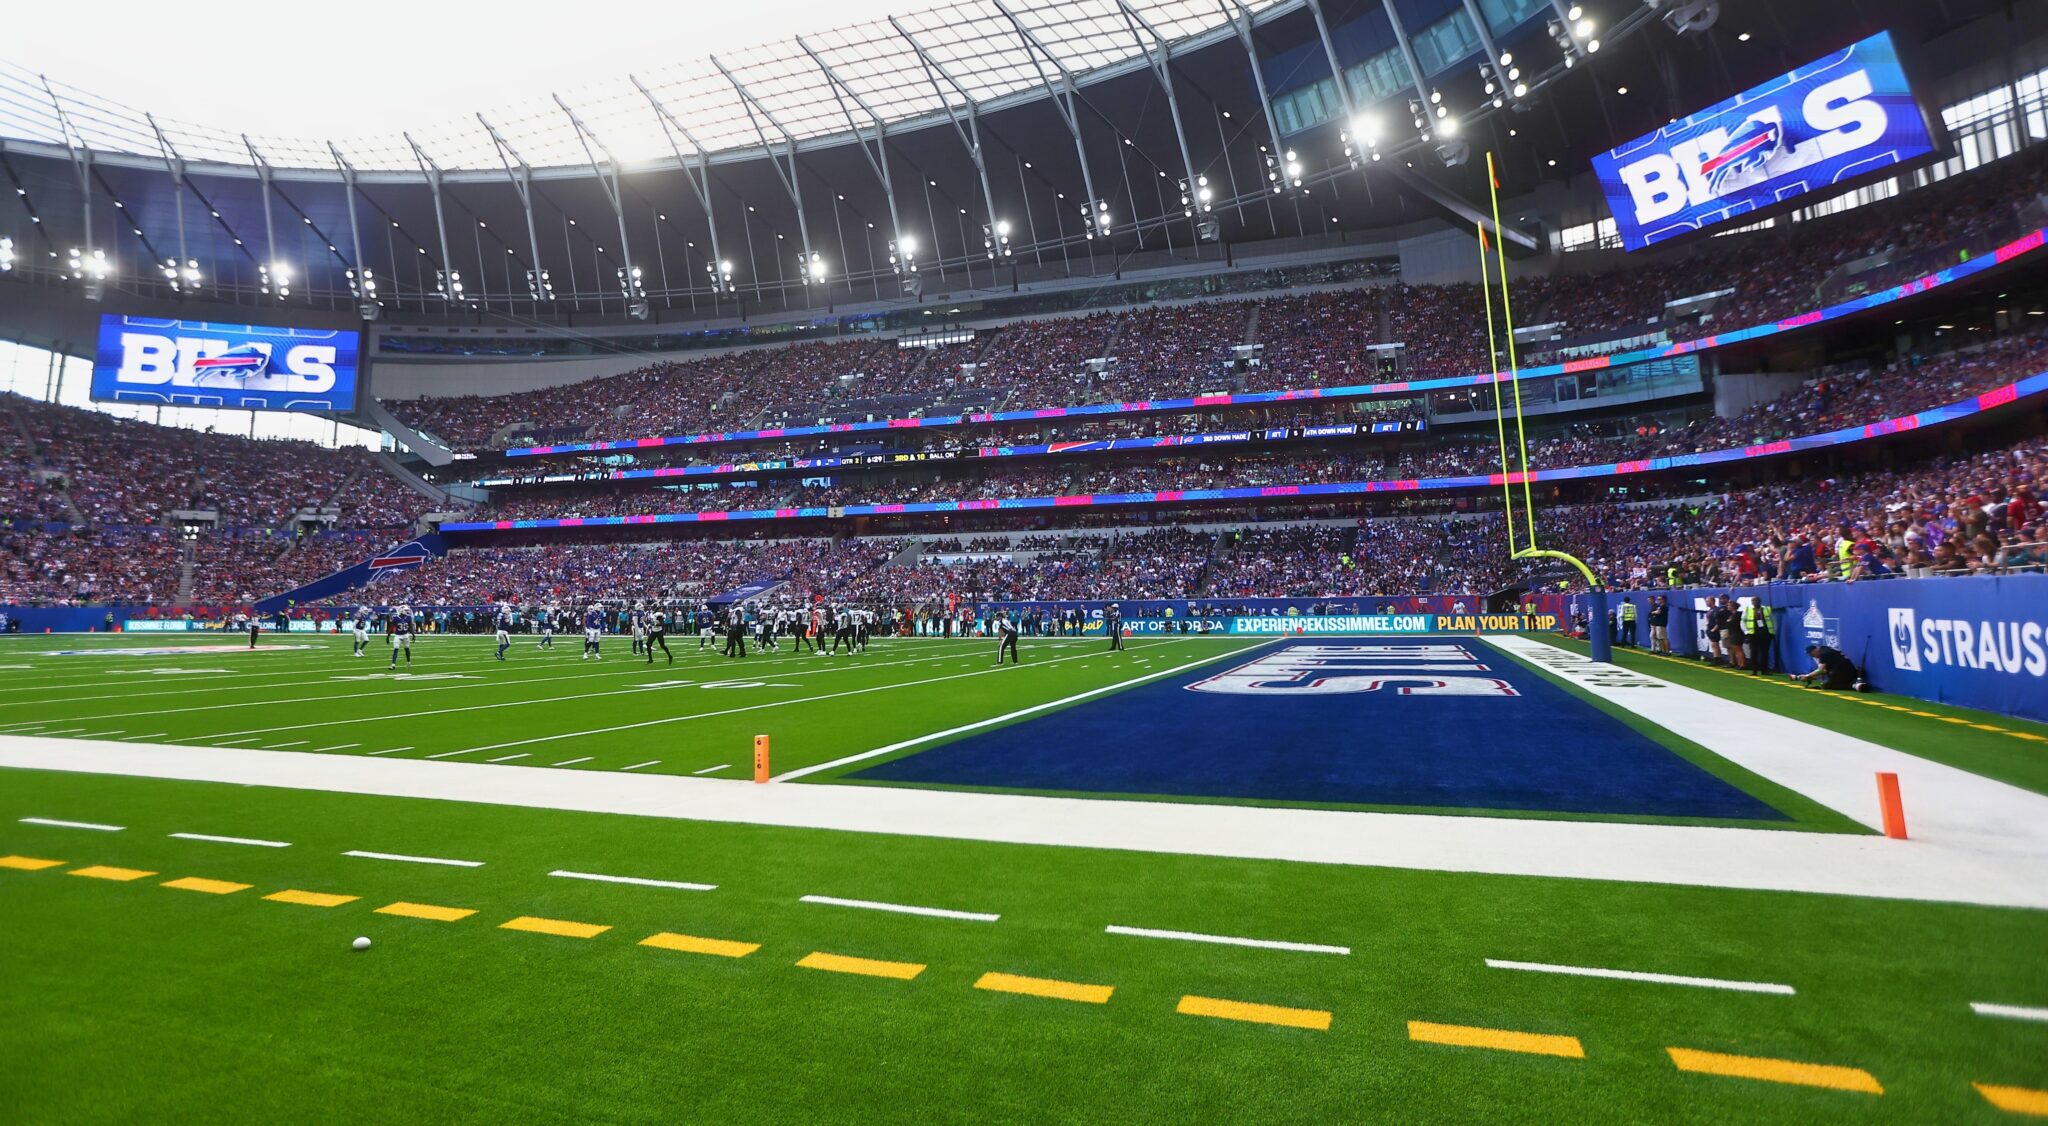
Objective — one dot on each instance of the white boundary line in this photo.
(1637, 975)
(414, 859)
(2013, 1012)
(390, 750)
(56, 824)
(713, 769)
(450, 754)
(637, 881)
(571, 761)
(1229, 940)
(336, 747)
(1007, 716)
(232, 840)
(506, 758)
(638, 765)
(901, 908)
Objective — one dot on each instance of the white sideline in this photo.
(2012, 1012)
(1637, 975)
(900, 908)
(232, 840)
(1229, 940)
(640, 881)
(56, 824)
(415, 859)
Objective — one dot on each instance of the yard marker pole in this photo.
(760, 758)
(1888, 801)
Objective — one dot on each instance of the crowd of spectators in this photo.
(1315, 339)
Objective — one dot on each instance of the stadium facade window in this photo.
(1443, 43)
(1599, 235)
(34, 373)
(1504, 15)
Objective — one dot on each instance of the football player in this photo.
(401, 636)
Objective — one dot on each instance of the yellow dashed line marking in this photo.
(310, 898)
(561, 927)
(2018, 1100)
(1776, 1071)
(1462, 1036)
(841, 964)
(210, 887)
(1045, 987)
(1257, 1014)
(425, 911)
(2028, 736)
(28, 863)
(1988, 727)
(691, 944)
(102, 872)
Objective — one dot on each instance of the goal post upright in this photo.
(1596, 625)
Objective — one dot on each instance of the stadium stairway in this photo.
(188, 565)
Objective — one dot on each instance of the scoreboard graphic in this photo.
(152, 360)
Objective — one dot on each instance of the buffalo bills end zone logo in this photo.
(1904, 631)
(1437, 669)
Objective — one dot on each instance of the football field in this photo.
(1073, 889)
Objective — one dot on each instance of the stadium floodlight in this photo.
(995, 239)
(721, 276)
(540, 285)
(903, 255)
(629, 283)
(182, 275)
(811, 267)
(1197, 199)
(448, 283)
(1364, 133)
(1448, 127)
(6, 254)
(275, 277)
(1095, 218)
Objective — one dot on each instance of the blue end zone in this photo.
(1447, 722)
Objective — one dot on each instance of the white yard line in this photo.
(71, 731)
(1637, 975)
(1008, 716)
(101, 734)
(1229, 940)
(637, 881)
(638, 765)
(415, 859)
(2011, 1012)
(751, 707)
(151, 735)
(713, 769)
(56, 824)
(390, 750)
(451, 754)
(571, 761)
(283, 746)
(232, 840)
(507, 758)
(233, 742)
(901, 908)
(336, 747)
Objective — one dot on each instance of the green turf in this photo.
(2016, 752)
(699, 715)
(131, 1001)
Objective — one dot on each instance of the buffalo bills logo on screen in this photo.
(199, 363)
(1750, 149)
(235, 366)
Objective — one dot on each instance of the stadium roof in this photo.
(899, 70)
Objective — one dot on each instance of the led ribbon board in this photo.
(1839, 120)
(244, 367)
(2012, 392)
(2025, 244)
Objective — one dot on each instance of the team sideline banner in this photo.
(162, 362)
(1392, 624)
(2025, 244)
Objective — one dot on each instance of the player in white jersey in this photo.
(545, 622)
(593, 631)
(504, 628)
(361, 626)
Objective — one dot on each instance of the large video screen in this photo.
(1838, 120)
(201, 364)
